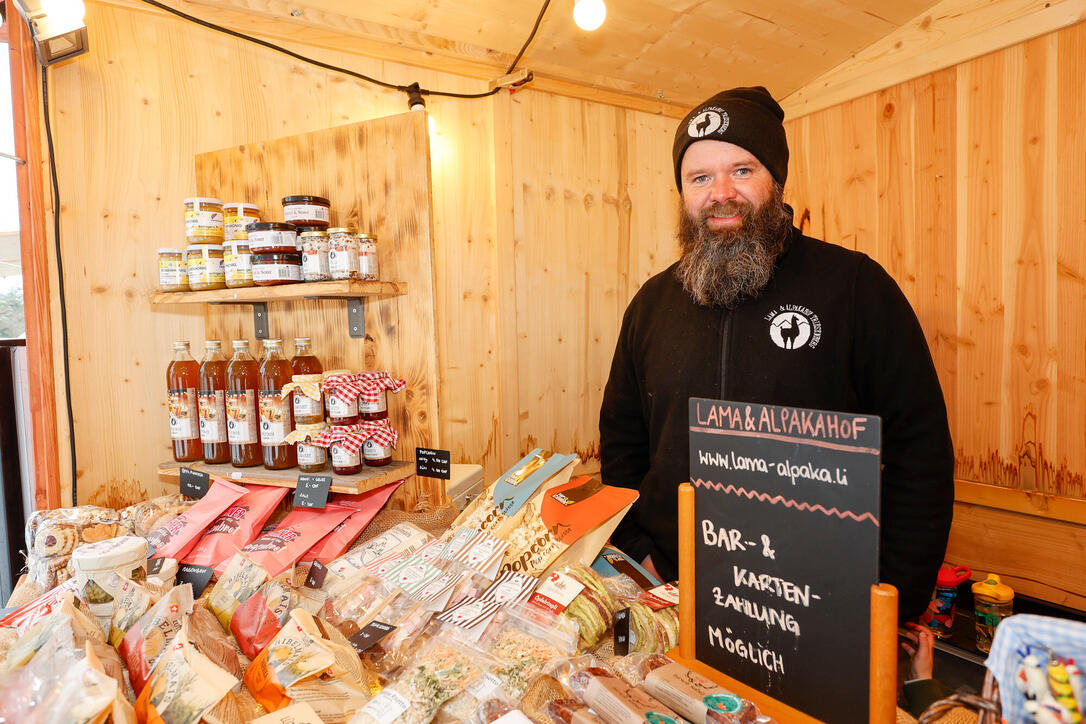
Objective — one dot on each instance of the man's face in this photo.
(723, 183)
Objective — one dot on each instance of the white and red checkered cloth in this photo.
(351, 438)
(372, 383)
(344, 388)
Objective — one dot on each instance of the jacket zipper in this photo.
(724, 353)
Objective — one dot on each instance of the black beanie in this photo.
(747, 117)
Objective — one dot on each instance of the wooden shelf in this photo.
(284, 292)
(368, 479)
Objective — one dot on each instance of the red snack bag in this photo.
(177, 537)
(277, 550)
(366, 506)
(256, 621)
(238, 525)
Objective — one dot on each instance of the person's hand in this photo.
(919, 644)
(647, 565)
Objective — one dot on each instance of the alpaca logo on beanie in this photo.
(709, 121)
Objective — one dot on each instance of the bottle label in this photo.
(184, 414)
(311, 454)
(274, 417)
(342, 458)
(306, 406)
(305, 212)
(241, 418)
(171, 273)
(277, 272)
(315, 265)
(204, 269)
(271, 239)
(338, 408)
(203, 223)
(239, 267)
(381, 405)
(342, 261)
(212, 416)
(376, 451)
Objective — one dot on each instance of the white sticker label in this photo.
(311, 454)
(343, 458)
(259, 240)
(375, 451)
(213, 416)
(339, 408)
(315, 263)
(306, 405)
(557, 592)
(386, 707)
(305, 212)
(484, 686)
(277, 272)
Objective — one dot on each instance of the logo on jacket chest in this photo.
(793, 326)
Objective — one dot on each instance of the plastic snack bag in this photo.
(183, 687)
(146, 641)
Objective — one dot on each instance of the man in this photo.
(754, 311)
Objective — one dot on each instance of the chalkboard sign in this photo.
(198, 576)
(786, 550)
(194, 483)
(312, 491)
(370, 635)
(432, 463)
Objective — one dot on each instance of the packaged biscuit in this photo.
(297, 653)
(277, 550)
(146, 641)
(560, 517)
(184, 686)
(366, 506)
(239, 581)
(177, 537)
(238, 526)
(500, 508)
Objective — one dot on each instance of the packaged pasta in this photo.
(184, 686)
(238, 526)
(439, 672)
(146, 641)
(524, 644)
(177, 537)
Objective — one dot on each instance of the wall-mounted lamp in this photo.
(589, 14)
(57, 28)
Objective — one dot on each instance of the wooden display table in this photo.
(369, 479)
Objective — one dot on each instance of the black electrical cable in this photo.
(60, 274)
(352, 73)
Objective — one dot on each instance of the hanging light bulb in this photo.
(589, 14)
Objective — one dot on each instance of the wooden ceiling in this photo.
(673, 53)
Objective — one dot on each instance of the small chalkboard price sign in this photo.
(194, 483)
(786, 550)
(312, 491)
(430, 463)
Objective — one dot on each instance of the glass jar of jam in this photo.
(311, 458)
(278, 268)
(203, 219)
(236, 217)
(173, 274)
(206, 269)
(238, 263)
(339, 412)
(367, 256)
(345, 462)
(308, 410)
(374, 410)
(315, 256)
(307, 210)
(376, 454)
(343, 254)
(272, 236)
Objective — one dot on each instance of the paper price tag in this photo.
(557, 592)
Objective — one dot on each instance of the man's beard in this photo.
(722, 268)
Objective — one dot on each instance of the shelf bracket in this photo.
(356, 317)
(260, 317)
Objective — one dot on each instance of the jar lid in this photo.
(341, 230)
(312, 429)
(278, 256)
(364, 235)
(307, 378)
(306, 199)
(169, 251)
(110, 553)
(239, 205)
(992, 590)
(203, 248)
(315, 232)
(203, 200)
(950, 577)
(269, 226)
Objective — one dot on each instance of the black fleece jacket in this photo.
(831, 331)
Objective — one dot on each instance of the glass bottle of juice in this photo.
(181, 380)
(276, 410)
(213, 404)
(306, 369)
(242, 426)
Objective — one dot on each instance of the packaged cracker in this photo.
(177, 537)
(560, 517)
(184, 686)
(297, 653)
(52, 536)
(105, 659)
(688, 693)
(500, 508)
(130, 602)
(439, 672)
(365, 505)
(25, 616)
(146, 641)
(277, 550)
(259, 618)
(238, 526)
(345, 570)
(241, 580)
(69, 690)
(523, 645)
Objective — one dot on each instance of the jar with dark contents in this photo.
(272, 236)
(275, 269)
(311, 458)
(374, 410)
(305, 210)
(344, 462)
(339, 412)
(376, 454)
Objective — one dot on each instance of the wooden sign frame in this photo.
(883, 659)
